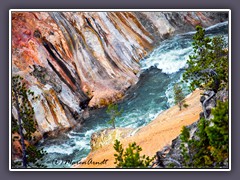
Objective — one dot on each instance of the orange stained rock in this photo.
(154, 136)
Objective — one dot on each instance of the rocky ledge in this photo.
(171, 154)
(152, 137)
(108, 136)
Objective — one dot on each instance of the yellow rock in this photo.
(108, 136)
(152, 137)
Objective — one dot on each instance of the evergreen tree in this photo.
(207, 69)
(25, 124)
(184, 136)
(210, 148)
(178, 96)
(208, 66)
(218, 132)
(200, 147)
(131, 158)
(113, 111)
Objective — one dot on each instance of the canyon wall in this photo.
(74, 60)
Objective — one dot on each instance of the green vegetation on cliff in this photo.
(25, 124)
(210, 147)
(208, 66)
(178, 96)
(208, 70)
(113, 112)
(131, 158)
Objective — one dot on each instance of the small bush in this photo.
(211, 147)
(185, 105)
(113, 112)
(208, 65)
(178, 96)
(131, 158)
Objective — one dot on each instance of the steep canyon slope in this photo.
(74, 60)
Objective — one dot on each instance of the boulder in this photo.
(108, 136)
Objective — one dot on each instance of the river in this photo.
(160, 70)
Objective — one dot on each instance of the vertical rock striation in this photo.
(73, 60)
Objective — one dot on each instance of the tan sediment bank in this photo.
(151, 137)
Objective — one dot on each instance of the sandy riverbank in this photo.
(153, 136)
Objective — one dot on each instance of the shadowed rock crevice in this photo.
(49, 48)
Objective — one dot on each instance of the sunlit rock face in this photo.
(108, 136)
(72, 60)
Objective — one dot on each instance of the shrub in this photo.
(113, 111)
(210, 148)
(218, 133)
(185, 105)
(25, 123)
(178, 96)
(131, 158)
(208, 66)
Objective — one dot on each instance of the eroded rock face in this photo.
(173, 155)
(73, 60)
(108, 136)
(17, 147)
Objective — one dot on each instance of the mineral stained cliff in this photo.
(72, 60)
